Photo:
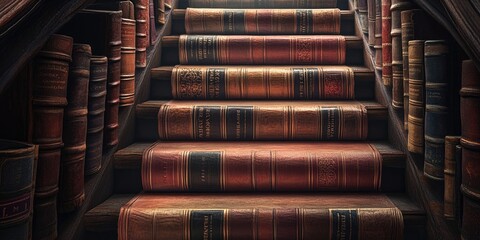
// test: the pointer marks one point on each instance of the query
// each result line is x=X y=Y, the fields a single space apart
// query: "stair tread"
x=104 y=217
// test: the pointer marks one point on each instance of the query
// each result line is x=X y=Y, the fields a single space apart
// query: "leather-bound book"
x=72 y=193
x=242 y=120
x=450 y=174
x=458 y=184
x=436 y=107
x=267 y=216
x=262 y=21
x=371 y=22
x=363 y=15
x=416 y=114
x=470 y=141
x=17 y=171
x=50 y=75
x=258 y=82
x=378 y=35
x=397 y=62
x=96 y=111
x=160 y=11
x=262 y=4
x=152 y=27
x=386 y=43
x=212 y=50
x=168 y=4
x=142 y=18
x=266 y=167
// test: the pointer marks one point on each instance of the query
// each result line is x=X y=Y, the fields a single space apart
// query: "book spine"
x=198 y=82
x=214 y=50
x=436 y=107
x=17 y=171
x=262 y=4
x=142 y=19
x=168 y=4
x=416 y=102
x=160 y=11
x=362 y=11
x=397 y=61
x=233 y=170
x=458 y=184
x=470 y=141
x=152 y=27
x=71 y=190
x=386 y=43
x=378 y=35
x=262 y=21
x=127 y=72
x=96 y=113
x=262 y=122
x=450 y=175
x=267 y=223
x=113 y=80
x=49 y=99
x=371 y=22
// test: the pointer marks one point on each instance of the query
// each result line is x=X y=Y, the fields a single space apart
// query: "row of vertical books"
x=415 y=58
x=76 y=86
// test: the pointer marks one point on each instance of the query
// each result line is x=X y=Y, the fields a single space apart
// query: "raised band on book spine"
x=160 y=11
x=251 y=82
x=450 y=175
x=262 y=21
x=49 y=99
x=72 y=193
x=362 y=9
x=371 y=21
x=17 y=171
x=470 y=141
x=386 y=43
x=142 y=19
x=416 y=114
x=436 y=110
x=378 y=35
x=96 y=113
x=128 y=48
x=211 y=50
x=262 y=121
x=262 y=4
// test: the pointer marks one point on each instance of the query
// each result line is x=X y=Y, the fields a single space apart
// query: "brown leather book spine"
x=212 y=50
x=49 y=99
x=371 y=22
x=152 y=28
x=262 y=4
x=378 y=35
x=168 y=4
x=142 y=19
x=261 y=121
x=127 y=72
x=386 y=43
x=272 y=82
x=362 y=10
x=230 y=168
x=416 y=114
x=262 y=21
x=17 y=171
x=450 y=175
x=470 y=141
x=160 y=11
x=96 y=113
x=397 y=62
x=71 y=190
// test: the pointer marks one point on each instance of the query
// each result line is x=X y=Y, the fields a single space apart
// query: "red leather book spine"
x=470 y=141
x=49 y=99
x=450 y=174
x=207 y=49
x=72 y=193
x=386 y=43
x=127 y=73
x=262 y=21
x=142 y=18
x=272 y=82
x=262 y=4
x=160 y=11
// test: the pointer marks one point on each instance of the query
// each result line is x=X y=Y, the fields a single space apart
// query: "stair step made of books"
x=102 y=221
x=128 y=161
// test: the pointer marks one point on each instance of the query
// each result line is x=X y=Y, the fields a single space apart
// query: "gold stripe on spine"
x=186 y=216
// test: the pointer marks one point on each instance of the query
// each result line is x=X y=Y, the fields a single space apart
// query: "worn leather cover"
x=371 y=5
x=262 y=21
x=378 y=36
x=362 y=9
x=416 y=103
x=262 y=82
x=450 y=202
x=262 y=3
x=386 y=43
x=160 y=11
x=142 y=18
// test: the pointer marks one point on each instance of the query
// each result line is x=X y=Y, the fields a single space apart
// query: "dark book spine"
x=371 y=21
x=470 y=141
x=113 y=80
x=211 y=50
x=436 y=107
x=49 y=99
x=127 y=72
x=261 y=122
x=450 y=175
x=71 y=190
x=386 y=43
x=262 y=21
x=160 y=11
x=142 y=19
x=96 y=110
x=458 y=184
x=362 y=11
x=152 y=27
x=416 y=114
x=17 y=171
x=210 y=82
x=262 y=4
x=378 y=35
